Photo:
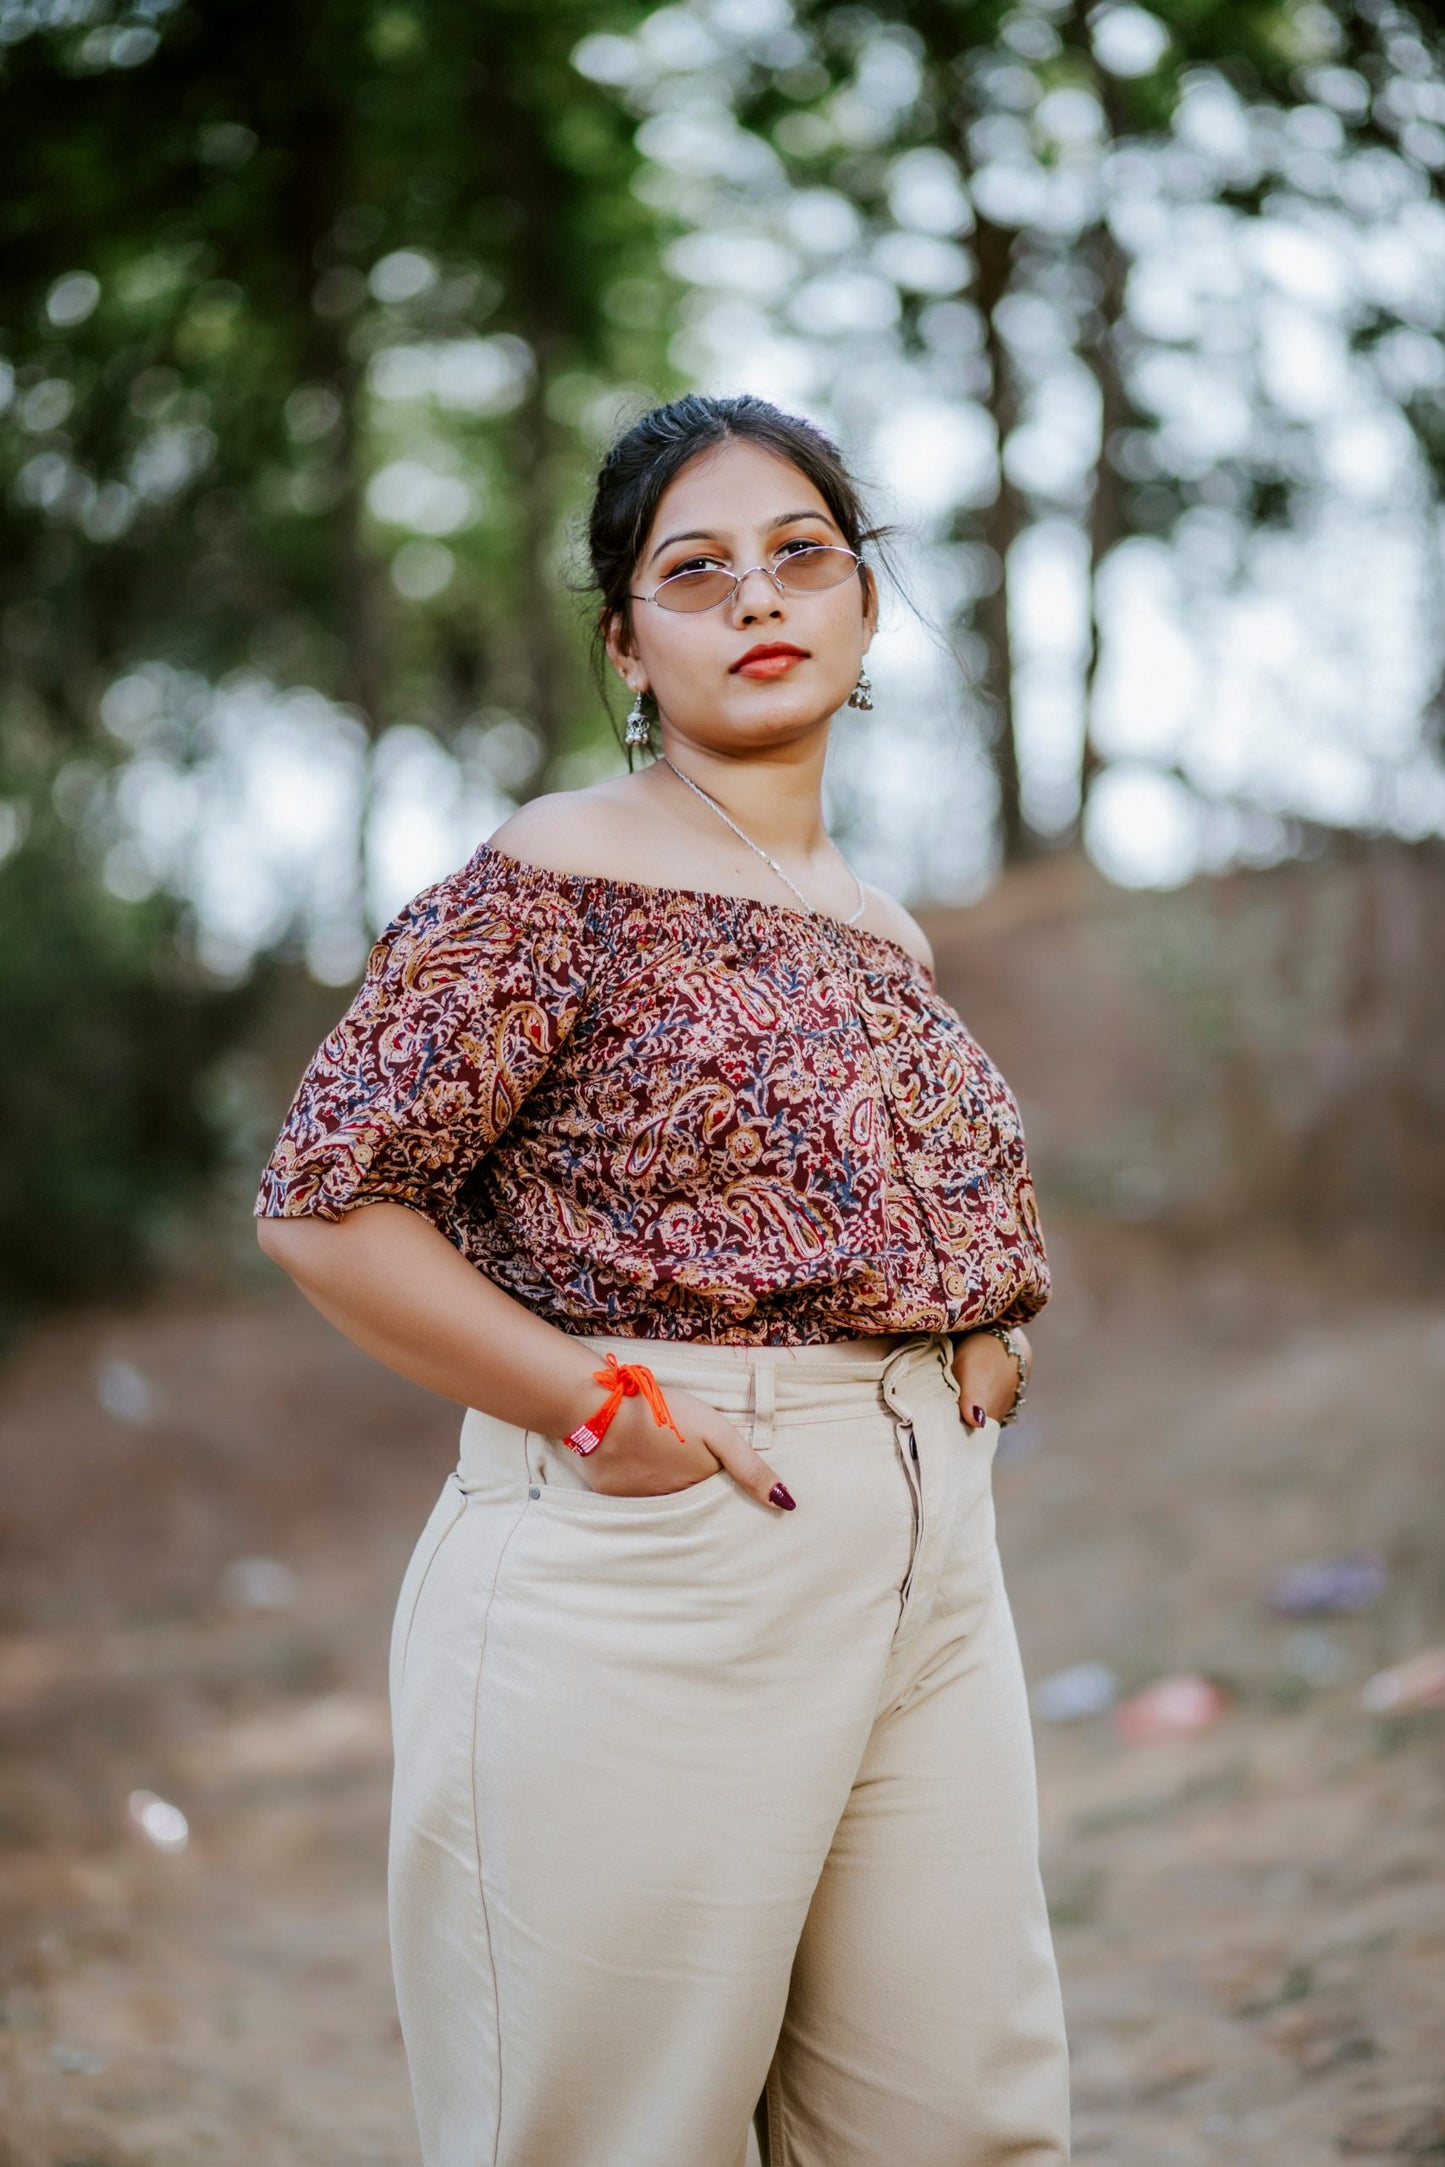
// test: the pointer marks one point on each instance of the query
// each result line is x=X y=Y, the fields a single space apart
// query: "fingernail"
x=779 y=1496
x=979 y=1417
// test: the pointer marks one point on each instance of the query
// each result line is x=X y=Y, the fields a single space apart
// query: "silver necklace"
x=812 y=910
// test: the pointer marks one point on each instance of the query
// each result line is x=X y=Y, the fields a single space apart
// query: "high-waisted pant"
x=715 y=1827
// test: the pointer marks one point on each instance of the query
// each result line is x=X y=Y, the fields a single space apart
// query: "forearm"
x=394 y=1284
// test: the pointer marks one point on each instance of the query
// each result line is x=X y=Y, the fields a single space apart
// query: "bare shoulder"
x=887 y=915
x=572 y=831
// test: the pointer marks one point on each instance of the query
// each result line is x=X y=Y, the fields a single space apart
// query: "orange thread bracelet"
x=628 y=1380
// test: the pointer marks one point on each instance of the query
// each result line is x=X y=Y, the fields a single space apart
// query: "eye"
x=695 y=564
x=798 y=542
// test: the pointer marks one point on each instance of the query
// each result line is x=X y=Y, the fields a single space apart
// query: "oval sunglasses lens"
x=814 y=568
x=694 y=590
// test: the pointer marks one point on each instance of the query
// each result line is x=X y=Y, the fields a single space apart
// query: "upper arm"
x=310 y=1242
x=467 y=997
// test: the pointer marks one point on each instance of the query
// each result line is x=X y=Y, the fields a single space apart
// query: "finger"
x=749 y=1469
x=970 y=1413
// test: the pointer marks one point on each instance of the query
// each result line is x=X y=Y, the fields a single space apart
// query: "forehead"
x=734 y=487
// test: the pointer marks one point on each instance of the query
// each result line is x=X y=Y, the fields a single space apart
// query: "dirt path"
x=1250 y=1923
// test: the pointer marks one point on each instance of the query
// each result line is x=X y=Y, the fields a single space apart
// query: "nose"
x=774 y=590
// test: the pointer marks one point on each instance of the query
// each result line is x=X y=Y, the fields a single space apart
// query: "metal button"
x=534 y=1491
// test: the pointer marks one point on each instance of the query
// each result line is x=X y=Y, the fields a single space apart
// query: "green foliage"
x=1336 y=110
x=222 y=220
x=109 y=1036
x=188 y=458
x=267 y=270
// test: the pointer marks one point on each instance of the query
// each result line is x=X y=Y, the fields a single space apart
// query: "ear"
x=622 y=655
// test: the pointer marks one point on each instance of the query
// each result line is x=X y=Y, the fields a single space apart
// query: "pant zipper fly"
x=913 y=1477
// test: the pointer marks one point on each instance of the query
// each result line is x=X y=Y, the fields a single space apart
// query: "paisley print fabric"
x=673 y=1114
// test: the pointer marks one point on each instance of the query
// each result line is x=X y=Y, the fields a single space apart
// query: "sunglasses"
x=800 y=571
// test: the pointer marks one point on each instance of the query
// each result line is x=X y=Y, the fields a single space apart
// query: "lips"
x=772 y=660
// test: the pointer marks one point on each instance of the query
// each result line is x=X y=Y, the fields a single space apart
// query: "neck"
x=777 y=798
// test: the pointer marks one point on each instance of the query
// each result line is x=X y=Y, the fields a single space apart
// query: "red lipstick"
x=772 y=658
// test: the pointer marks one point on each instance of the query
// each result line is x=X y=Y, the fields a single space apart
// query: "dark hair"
x=648 y=455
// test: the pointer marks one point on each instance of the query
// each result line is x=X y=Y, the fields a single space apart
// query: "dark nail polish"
x=979 y=1417
x=780 y=1496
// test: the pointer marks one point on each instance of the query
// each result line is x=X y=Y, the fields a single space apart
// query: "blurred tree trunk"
x=1099 y=342
x=1107 y=521
x=325 y=180
x=533 y=452
x=543 y=313
x=1000 y=526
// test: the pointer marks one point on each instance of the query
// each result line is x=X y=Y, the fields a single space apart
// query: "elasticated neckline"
x=715 y=905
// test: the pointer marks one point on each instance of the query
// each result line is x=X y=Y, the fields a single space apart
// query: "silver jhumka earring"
x=862 y=693
x=638 y=727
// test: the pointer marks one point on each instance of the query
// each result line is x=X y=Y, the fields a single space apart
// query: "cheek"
x=841 y=629
x=681 y=651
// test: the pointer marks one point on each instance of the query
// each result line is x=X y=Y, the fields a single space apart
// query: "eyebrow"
x=706 y=534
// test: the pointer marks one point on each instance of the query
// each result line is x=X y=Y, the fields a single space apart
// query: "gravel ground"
x=1250 y=1921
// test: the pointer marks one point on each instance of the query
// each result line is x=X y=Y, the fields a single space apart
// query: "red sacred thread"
x=628 y=1380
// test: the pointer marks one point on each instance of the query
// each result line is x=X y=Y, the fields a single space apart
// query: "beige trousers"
x=716 y=1827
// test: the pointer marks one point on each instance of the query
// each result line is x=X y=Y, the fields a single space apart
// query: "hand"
x=988 y=1376
x=639 y=1458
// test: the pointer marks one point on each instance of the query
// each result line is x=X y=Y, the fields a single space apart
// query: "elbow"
x=304 y=1243
x=283 y=1241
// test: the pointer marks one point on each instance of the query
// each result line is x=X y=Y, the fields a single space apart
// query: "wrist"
x=1013 y=1339
x=618 y=1382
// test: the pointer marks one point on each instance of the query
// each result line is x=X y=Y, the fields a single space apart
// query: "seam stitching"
x=476 y=1817
x=421 y=1584
x=777 y=2143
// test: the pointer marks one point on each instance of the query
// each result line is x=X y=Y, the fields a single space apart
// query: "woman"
x=714 y=1783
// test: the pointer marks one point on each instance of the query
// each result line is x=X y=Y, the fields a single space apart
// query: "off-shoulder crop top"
x=671 y=1113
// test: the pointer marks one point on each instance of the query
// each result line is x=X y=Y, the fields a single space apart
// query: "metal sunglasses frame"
x=837 y=549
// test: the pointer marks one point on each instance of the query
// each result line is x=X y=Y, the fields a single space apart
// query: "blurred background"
x=314 y=323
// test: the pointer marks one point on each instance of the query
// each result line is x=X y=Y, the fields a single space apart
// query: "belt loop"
x=901 y=1357
x=763 y=1399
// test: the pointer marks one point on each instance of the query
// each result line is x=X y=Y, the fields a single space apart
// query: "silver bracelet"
x=1016 y=1348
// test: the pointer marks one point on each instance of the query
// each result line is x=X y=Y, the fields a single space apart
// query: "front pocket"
x=604 y=1504
x=441 y=1520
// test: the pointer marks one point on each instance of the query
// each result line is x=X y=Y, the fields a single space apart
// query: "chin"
x=791 y=709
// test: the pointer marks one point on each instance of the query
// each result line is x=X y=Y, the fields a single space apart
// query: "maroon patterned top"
x=669 y=1113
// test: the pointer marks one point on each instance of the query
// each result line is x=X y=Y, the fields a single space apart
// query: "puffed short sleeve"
x=469 y=994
